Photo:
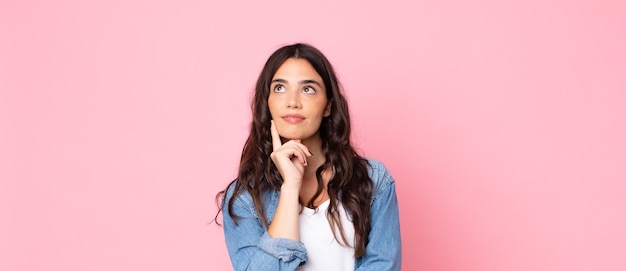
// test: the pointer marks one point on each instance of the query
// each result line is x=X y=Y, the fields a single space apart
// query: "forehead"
x=296 y=68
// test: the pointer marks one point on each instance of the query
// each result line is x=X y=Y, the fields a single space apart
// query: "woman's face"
x=297 y=100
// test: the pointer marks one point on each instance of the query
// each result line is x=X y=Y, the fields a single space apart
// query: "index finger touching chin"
x=276 y=143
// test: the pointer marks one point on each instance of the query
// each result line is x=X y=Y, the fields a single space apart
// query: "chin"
x=296 y=133
x=290 y=133
x=290 y=137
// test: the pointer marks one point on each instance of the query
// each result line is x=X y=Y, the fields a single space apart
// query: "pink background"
x=502 y=121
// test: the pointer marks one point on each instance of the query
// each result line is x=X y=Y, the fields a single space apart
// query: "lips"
x=293 y=118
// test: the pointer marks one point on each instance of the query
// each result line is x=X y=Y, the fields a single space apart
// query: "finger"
x=297 y=150
x=302 y=147
x=299 y=155
x=276 y=143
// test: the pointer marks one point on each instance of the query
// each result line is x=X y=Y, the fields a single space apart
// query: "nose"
x=293 y=100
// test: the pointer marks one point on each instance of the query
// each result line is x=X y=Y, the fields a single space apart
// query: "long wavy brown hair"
x=350 y=184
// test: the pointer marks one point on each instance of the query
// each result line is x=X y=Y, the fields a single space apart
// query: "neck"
x=314 y=144
x=309 y=185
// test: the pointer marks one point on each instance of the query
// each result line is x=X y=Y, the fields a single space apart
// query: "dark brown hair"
x=350 y=184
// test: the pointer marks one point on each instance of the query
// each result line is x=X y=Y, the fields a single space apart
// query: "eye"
x=308 y=90
x=279 y=88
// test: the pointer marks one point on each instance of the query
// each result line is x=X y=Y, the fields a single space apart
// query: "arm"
x=250 y=246
x=384 y=249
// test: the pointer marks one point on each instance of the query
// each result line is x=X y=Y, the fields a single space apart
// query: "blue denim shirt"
x=251 y=248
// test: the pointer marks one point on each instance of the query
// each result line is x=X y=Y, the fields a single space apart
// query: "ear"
x=327 y=110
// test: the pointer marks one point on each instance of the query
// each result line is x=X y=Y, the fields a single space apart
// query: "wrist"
x=288 y=187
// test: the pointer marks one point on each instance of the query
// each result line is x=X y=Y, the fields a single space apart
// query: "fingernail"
x=310 y=153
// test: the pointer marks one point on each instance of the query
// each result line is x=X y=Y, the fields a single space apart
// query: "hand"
x=289 y=158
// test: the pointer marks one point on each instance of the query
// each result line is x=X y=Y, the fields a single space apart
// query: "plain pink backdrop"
x=503 y=122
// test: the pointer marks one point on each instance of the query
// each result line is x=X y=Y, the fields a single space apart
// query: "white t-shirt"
x=323 y=251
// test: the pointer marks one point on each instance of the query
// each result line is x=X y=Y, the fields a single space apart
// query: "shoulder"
x=243 y=200
x=380 y=175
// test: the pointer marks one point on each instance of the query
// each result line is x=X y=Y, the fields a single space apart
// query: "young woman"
x=304 y=199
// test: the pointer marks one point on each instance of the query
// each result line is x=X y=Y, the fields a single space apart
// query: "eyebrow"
x=302 y=82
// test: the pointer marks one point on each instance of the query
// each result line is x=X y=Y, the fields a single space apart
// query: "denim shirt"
x=251 y=248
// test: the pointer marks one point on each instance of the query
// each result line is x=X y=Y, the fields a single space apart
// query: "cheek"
x=324 y=108
x=271 y=105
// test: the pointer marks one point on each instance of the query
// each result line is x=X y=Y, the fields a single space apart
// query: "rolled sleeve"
x=284 y=249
